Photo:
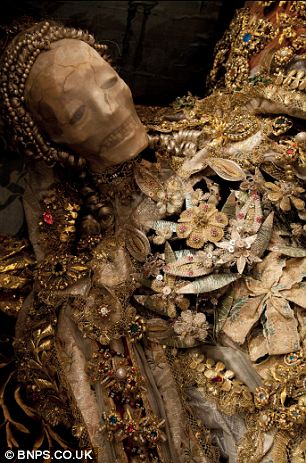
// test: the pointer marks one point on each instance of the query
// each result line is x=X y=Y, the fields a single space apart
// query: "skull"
x=81 y=102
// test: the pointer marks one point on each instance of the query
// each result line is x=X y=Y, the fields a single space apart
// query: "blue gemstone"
x=247 y=37
x=113 y=419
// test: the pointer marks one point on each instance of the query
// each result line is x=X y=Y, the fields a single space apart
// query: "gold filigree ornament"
x=252 y=30
x=136 y=328
x=201 y=224
x=285 y=195
x=16 y=272
x=128 y=419
x=145 y=431
x=40 y=373
x=215 y=382
x=246 y=36
x=114 y=175
x=280 y=410
x=58 y=272
x=281 y=400
x=29 y=430
x=58 y=219
x=191 y=326
x=167 y=195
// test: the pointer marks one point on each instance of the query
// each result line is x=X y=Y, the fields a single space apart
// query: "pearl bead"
x=166 y=290
x=301 y=136
x=121 y=373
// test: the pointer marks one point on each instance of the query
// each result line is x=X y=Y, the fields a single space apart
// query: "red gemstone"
x=35 y=396
x=217 y=379
x=130 y=428
x=290 y=151
x=48 y=218
x=241 y=215
x=258 y=219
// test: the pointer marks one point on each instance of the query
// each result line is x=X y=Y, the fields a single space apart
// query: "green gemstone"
x=134 y=328
x=279 y=121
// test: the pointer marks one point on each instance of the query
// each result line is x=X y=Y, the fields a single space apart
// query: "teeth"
x=289 y=77
x=279 y=79
x=300 y=74
x=303 y=84
x=295 y=83
x=295 y=79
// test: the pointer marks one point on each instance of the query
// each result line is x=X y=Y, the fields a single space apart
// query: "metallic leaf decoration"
x=290 y=251
x=137 y=243
x=147 y=182
x=162 y=224
x=188 y=266
x=185 y=252
x=209 y=283
x=226 y=169
x=153 y=302
x=263 y=236
x=44 y=384
x=222 y=312
x=27 y=410
x=229 y=207
x=169 y=253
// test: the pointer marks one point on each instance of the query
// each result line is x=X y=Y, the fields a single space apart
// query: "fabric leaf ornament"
x=226 y=169
x=209 y=283
x=268 y=298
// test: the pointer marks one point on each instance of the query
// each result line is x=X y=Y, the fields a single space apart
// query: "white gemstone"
x=104 y=311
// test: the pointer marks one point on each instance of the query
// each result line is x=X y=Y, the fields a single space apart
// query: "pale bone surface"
x=81 y=102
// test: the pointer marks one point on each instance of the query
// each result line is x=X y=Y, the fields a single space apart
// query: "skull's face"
x=81 y=102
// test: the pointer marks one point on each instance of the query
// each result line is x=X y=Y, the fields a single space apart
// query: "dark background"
x=162 y=49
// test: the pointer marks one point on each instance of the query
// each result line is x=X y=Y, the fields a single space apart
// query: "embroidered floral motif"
x=200 y=224
x=191 y=326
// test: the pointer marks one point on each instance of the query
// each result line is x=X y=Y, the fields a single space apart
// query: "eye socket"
x=47 y=113
x=108 y=83
x=77 y=115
